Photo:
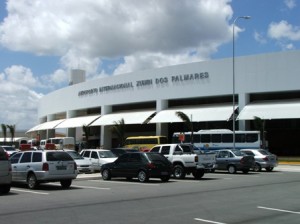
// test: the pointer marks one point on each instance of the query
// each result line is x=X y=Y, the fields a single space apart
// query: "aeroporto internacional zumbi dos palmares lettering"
x=146 y=82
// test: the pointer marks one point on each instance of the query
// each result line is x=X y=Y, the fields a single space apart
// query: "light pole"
x=233 y=79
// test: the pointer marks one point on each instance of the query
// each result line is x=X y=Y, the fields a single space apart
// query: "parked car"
x=10 y=150
x=35 y=167
x=84 y=165
x=5 y=172
x=143 y=165
x=98 y=157
x=263 y=159
x=121 y=151
x=234 y=160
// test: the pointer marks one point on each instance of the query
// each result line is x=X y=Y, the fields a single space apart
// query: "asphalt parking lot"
x=282 y=167
x=265 y=197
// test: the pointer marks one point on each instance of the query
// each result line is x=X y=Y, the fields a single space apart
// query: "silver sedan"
x=263 y=159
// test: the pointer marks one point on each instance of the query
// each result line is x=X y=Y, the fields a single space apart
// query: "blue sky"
x=41 y=41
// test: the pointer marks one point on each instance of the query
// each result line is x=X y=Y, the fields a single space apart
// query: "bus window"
x=163 y=140
x=144 y=143
x=196 y=138
x=251 y=137
x=216 y=138
x=187 y=138
x=227 y=138
x=240 y=137
x=205 y=138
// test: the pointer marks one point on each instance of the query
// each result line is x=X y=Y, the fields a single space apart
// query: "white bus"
x=215 y=139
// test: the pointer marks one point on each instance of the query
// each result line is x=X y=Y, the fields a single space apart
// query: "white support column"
x=71 y=132
x=161 y=128
x=244 y=99
x=51 y=132
x=105 y=134
x=43 y=133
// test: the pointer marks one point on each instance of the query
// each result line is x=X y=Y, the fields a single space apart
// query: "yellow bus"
x=144 y=143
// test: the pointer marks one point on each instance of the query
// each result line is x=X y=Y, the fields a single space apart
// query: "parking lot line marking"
x=98 y=188
x=123 y=182
x=209 y=221
x=279 y=210
x=32 y=192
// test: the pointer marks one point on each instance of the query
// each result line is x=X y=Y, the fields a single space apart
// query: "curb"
x=289 y=163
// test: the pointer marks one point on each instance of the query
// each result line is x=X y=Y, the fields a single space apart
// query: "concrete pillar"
x=71 y=132
x=161 y=128
x=105 y=133
x=43 y=133
x=50 y=132
x=244 y=99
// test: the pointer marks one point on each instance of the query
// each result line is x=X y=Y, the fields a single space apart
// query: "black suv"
x=142 y=165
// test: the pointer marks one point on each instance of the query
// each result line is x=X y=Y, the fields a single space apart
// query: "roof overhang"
x=288 y=109
x=46 y=125
x=77 y=121
x=136 y=117
x=221 y=112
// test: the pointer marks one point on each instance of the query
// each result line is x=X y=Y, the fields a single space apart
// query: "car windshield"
x=264 y=152
x=186 y=148
x=106 y=154
x=56 y=140
x=238 y=153
x=157 y=157
x=9 y=148
x=58 y=156
x=75 y=155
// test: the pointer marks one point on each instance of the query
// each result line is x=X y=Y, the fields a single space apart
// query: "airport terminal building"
x=264 y=86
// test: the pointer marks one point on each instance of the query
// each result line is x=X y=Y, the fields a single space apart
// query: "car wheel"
x=231 y=169
x=269 y=169
x=198 y=174
x=65 y=183
x=165 y=178
x=142 y=176
x=5 y=189
x=257 y=167
x=245 y=171
x=179 y=172
x=32 y=182
x=106 y=174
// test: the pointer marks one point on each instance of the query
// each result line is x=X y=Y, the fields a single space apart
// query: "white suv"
x=5 y=172
x=98 y=157
x=35 y=167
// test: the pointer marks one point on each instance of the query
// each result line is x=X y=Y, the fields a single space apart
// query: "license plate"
x=61 y=167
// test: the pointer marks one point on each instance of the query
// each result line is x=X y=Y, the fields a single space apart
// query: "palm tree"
x=119 y=130
x=12 y=130
x=187 y=122
x=86 y=129
x=260 y=125
x=4 y=130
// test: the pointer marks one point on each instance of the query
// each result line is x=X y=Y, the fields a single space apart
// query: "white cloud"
x=259 y=37
x=284 y=30
x=83 y=34
x=20 y=75
x=18 y=101
x=290 y=3
x=88 y=31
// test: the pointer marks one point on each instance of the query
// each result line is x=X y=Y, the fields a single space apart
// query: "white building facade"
x=266 y=86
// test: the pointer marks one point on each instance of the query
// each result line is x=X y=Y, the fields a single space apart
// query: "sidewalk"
x=288 y=160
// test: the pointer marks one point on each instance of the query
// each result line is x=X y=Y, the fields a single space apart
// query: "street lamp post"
x=233 y=78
